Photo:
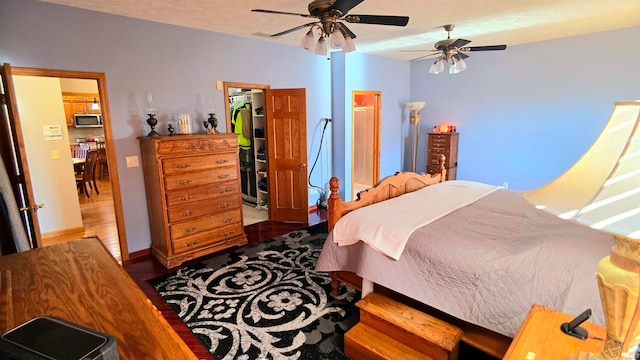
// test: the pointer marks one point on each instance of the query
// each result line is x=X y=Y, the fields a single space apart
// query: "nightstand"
x=540 y=334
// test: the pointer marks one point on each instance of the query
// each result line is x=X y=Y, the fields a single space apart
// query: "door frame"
x=377 y=111
x=108 y=138
x=235 y=85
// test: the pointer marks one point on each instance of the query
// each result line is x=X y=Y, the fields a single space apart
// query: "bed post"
x=334 y=204
x=443 y=171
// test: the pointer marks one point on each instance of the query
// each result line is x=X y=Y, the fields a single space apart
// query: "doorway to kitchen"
x=42 y=127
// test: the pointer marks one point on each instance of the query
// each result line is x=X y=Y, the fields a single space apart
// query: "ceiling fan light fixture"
x=453 y=69
x=437 y=67
x=349 y=45
x=307 y=41
x=321 y=47
x=336 y=39
x=461 y=65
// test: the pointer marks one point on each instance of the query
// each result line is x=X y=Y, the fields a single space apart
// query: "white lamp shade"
x=321 y=47
x=349 y=45
x=602 y=189
x=336 y=39
x=307 y=41
x=415 y=106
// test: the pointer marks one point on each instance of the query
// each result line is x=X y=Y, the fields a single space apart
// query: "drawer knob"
x=183 y=166
x=190 y=229
x=226 y=233
x=184 y=182
x=223 y=176
x=190 y=243
x=186 y=197
x=188 y=213
x=222 y=191
x=225 y=205
x=222 y=161
x=226 y=220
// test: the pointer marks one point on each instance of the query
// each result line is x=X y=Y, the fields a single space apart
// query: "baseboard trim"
x=139 y=253
x=77 y=230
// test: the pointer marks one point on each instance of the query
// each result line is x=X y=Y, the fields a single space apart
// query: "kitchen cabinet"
x=78 y=103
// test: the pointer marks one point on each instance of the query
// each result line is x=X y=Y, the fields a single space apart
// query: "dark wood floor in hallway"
x=146 y=267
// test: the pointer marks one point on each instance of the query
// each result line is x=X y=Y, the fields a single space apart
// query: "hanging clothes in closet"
x=241 y=124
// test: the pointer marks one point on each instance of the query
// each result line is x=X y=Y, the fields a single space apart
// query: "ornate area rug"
x=264 y=301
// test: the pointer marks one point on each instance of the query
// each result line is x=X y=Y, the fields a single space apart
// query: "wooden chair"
x=88 y=174
x=103 y=166
x=79 y=152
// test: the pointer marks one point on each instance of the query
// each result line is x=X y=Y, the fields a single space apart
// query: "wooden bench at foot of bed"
x=391 y=330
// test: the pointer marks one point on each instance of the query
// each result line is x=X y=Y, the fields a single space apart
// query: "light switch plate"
x=219 y=84
x=55 y=154
x=132 y=161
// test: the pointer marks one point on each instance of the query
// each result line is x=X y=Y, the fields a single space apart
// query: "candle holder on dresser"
x=152 y=121
x=171 y=129
x=213 y=122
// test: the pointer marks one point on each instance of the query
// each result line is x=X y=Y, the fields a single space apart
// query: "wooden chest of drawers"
x=193 y=195
x=446 y=144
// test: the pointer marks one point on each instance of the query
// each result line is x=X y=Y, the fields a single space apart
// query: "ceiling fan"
x=332 y=15
x=453 y=51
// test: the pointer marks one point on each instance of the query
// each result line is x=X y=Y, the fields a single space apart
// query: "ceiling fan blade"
x=281 y=12
x=432 y=55
x=378 y=19
x=344 y=5
x=459 y=43
x=487 y=48
x=294 y=29
x=463 y=56
x=347 y=30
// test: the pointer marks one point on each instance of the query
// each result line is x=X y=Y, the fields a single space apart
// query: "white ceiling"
x=484 y=22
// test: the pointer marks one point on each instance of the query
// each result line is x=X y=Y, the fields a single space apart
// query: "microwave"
x=87 y=120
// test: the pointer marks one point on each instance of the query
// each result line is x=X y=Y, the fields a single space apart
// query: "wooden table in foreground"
x=81 y=282
x=540 y=334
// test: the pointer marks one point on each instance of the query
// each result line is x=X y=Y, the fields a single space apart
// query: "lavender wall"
x=356 y=71
x=179 y=65
x=528 y=113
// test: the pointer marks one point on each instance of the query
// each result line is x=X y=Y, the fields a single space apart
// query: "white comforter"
x=386 y=227
x=488 y=262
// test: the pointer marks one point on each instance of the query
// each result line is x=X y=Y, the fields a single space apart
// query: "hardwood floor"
x=98 y=218
x=146 y=267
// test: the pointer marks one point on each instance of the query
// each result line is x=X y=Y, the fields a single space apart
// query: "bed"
x=484 y=264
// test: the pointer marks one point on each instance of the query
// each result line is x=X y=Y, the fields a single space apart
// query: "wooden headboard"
x=387 y=188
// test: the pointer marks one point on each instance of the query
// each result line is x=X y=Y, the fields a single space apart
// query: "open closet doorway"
x=41 y=122
x=365 y=161
x=245 y=116
x=278 y=144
